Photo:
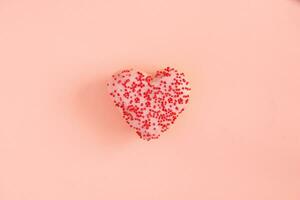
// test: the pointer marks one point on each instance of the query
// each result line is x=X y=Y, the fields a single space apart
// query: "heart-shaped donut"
x=150 y=104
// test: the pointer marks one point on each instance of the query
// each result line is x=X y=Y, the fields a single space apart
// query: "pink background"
x=61 y=138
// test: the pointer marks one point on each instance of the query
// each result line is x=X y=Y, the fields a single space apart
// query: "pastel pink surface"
x=61 y=137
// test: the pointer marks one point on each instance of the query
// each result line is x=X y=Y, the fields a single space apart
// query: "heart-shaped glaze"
x=150 y=104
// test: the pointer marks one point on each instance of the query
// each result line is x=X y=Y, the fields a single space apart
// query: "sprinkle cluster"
x=150 y=104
